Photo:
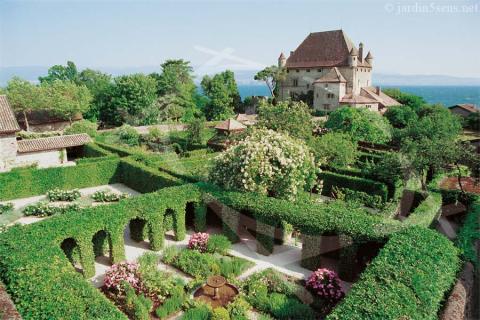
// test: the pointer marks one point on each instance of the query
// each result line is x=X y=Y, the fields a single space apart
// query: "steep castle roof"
x=8 y=123
x=333 y=75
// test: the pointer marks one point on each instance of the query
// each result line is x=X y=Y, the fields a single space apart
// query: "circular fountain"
x=216 y=291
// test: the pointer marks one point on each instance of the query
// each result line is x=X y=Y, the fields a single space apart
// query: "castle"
x=328 y=68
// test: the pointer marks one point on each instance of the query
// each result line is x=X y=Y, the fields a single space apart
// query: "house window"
x=297 y=70
x=295 y=82
x=330 y=95
x=308 y=70
x=326 y=107
x=308 y=86
x=319 y=70
x=368 y=106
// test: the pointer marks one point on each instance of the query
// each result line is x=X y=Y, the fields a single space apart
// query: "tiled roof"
x=332 y=76
x=323 y=49
x=53 y=143
x=8 y=123
x=230 y=125
x=466 y=106
x=378 y=95
x=350 y=98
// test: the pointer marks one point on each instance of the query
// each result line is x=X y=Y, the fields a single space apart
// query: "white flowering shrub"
x=267 y=162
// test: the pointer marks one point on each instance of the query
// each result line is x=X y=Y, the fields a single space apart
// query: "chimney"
x=360 y=52
x=377 y=90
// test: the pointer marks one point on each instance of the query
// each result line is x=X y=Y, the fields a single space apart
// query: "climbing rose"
x=326 y=284
x=198 y=241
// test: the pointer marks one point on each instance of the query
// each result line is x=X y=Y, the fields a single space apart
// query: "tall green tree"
x=171 y=107
x=407 y=99
x=272 y=76
x=132 y=101
x=67 y=99
x=223 y=96
x=289 y=117
x=400 y=116
x=24 y=97
x=176 y=78
x=361 y=124
x=63 y=73
x=100 y=86
x=335 y=149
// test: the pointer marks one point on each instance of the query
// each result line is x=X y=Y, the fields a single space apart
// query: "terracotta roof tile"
x=350 y=98
x=322 y=49
x=53 y=143
x=466 y=106
x=332 y=76
x=8 y=123
x=382 y=98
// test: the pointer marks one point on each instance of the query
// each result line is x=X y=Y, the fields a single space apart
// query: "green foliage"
x=128 y=135
x=24 y=97
x=220 y=314
x=272 y=76
x=268 y=163
x=335 y=149
x=331 y=180
x=473 y=121
x=13 y=184
x=426 y=212
x=170 y=306
x=195 y=131
x=407 y=99
x=223 y=96
x=100 y=85
x=82 y=126
x=361 y=124
x=363 y=198
x=6 y=207
x=400 y=116
x=44 y=209
x=413 y=289
x=62 y=73
x=238 y=308
x=469 y=233
x=155 y=281
x=138 y=307
x=63 y=195
x=201 y=312
x=108 y=196
x=218 y=243
x=292 y=118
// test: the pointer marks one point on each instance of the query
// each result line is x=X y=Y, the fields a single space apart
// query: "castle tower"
x=369 y=58
x=282 y=60
x=352 y=58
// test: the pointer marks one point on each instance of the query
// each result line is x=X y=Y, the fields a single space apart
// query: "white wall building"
x=329 y=67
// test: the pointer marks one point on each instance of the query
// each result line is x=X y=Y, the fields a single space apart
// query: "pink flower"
x=326 y=284
x=198 y=241
x=123 y=271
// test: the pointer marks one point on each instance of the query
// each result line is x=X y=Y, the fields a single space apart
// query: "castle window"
x=319 y=70
x=368 y=106
x=308 y=70
x=326 y=107
x=297 y=70
x=330 y=95
x=295 y=82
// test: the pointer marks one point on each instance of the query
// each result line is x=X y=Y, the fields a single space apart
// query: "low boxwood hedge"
x=470 y=232
x=407 y=280
x=331 y=180
x=426 y=212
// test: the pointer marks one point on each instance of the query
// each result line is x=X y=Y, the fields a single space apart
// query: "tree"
x=170 y=107
x=82 y=126
x=66 y=99
x=272 y=76
x=413 y=101
x=463 y=153
x=195 y=131
x=473 y=121
x=24 y=97
x=176 y=78
x=266 y=162
x=132 y=101
x=292 y=118
x=400 y=116
x=100 y=85
x=222 y=93
x=335 y=149
x=361 y=124
x=63 y=73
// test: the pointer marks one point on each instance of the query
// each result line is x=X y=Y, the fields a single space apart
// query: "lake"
x=446 y=95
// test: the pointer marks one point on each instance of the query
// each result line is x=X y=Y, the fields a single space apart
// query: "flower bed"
x=108 y=196
x=45 y=209
x=63 y=195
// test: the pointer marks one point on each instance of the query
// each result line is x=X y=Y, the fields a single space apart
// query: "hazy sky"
x=404 y=36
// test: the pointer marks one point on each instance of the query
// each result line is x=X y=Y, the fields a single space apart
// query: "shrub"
x=335 y=149
x=266 y=162
x=123 y=271
x=198 y=241
x=169 y=254
x=283 y=307
x=63 y=195
x=82 y=126
x=326 y=284
x=470 y=232
x=195 y=263
x=218 y=244
x=154 y=281
x=128 y=135
x=138 y=307
x=201 y=312
x=238 y=308
x=6 y=207
x=108 y=196
x=45 y=209
x=170 y=306
x=372 y=201
x=220 y=314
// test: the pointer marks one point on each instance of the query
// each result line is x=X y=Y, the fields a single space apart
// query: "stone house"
x=329 y=68
x=464 y=110
x=43 y=152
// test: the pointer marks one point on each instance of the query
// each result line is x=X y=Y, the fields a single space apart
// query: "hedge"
x=121 y=151
x=470 y=232
x=407 y=280
x=369 y=186
x=426 y=212
x=39 y=276
x=32 y=182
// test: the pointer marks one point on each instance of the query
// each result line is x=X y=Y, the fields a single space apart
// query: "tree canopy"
x=272 y=76
x=335 y=149
x=222 y=93
x=361 y=124
x=63 y=73
x=407 y=99
x=292 y=118
x=400 y=116
x=24 y=97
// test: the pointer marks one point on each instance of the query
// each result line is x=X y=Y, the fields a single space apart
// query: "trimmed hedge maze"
x=44 y=285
